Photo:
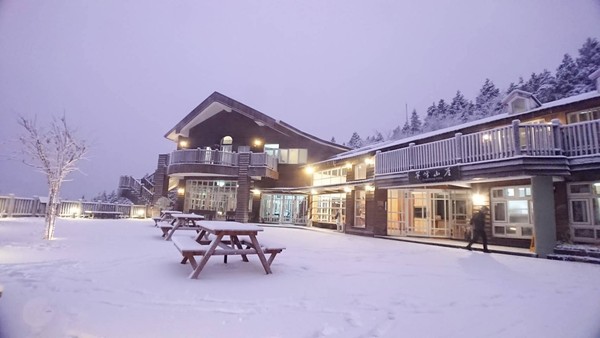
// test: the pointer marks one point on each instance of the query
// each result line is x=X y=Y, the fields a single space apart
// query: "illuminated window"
x=512 y=212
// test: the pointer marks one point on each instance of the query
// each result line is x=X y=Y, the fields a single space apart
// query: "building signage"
x=434 y=175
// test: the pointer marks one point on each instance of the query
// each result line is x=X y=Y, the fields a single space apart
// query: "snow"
x=118 y=278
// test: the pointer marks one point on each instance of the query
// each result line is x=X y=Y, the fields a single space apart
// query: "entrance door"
x=461 y=204
x=396 y=212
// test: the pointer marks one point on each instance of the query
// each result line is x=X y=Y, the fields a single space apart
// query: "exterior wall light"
x=313 y=191
x=368 y=161
x=257 y=142
x=479 y=199
x=183 y=144
x=347 y=189
x=348 y=165
x=180 y=191
x=309 y=170
x=256 y=192
x=369 y=188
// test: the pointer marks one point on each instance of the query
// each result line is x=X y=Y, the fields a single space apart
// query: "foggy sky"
x=125 y=72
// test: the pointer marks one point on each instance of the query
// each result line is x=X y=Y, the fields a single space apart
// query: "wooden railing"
x=134 y=185
x=263 y=160
x=580 y=139
x=203 y=156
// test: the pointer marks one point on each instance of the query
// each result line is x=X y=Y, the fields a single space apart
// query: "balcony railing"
x=203 y=156
x=217 y=157
x=581 y=139
x=263 y=160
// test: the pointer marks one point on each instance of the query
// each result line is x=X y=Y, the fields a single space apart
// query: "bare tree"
x=54 y=152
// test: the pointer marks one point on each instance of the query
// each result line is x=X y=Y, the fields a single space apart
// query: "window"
x=583 y=116
x=325 y=207
x=359 y=208
x=360 y=171
x=584 y=211
x=330 y=176
x=227 y=144
x=219 y=196
x=512 y=212
x=293 y=156
x=272 y=149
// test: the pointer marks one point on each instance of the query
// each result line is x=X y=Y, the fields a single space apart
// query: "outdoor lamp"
x=183 y=144
x=309 y=170
x=180 y=191
x=478 y=199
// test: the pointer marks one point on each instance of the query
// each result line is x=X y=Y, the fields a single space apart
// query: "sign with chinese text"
x=434 y=175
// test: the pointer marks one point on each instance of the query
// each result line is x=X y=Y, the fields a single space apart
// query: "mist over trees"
x=570 y=78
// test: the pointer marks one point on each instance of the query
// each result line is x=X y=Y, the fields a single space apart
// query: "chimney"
x=595 y=76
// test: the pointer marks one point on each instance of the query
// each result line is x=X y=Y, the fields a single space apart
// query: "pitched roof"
x=217 y=102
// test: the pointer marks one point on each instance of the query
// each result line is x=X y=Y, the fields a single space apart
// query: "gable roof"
x=217 y=102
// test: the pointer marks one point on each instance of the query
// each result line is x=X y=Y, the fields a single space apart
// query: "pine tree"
x=405 y=130
x=431 y=119
x=333 y=140
x=378 y=137
x=416 y=127
x=355 y=141
x=487 y=103
x=546 y=90
x=566 y=77
x=587 y=63
x=460 y=109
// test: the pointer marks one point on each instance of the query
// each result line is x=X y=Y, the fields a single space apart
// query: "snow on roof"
x=392 y=143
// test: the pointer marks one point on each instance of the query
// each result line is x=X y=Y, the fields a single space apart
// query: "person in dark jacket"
x=478 y=224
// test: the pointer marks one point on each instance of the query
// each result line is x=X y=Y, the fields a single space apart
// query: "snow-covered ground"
x=118 y=278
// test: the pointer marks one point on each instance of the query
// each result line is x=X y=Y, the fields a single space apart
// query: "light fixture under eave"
x=255 y=192
x=368 y=161
x=348 y=165
x=313 y=191
x=183 y=144
x=478 y=199
x=257 y=142
x=309 y=170
x=180 y=191
x=347 y=189
x=369 y=188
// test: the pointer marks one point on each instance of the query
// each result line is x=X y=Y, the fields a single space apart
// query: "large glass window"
x=219 y=196
x=329 y=176
x=325 y=208
x=512 y=212
x=283 y=208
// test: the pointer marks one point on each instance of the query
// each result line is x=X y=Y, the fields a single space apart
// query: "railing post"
x=11 y=205
x=517 y=136
x=411 y=155
x=557 y=135
x=458 y=147
x=378 y=159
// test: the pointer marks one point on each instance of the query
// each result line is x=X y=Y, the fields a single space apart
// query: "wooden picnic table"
x=166 y=216
x=211 y=240
x=181 y=221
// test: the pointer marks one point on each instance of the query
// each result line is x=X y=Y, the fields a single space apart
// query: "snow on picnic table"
x=118 y=278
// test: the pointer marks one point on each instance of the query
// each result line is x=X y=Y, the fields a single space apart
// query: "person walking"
x=478 y=224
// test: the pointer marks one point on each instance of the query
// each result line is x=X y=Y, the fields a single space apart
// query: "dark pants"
x=476 y=234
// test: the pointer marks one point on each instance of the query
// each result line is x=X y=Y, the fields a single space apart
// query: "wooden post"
x=411 y=155
x=458 y=147
x=517 y=137
x=557 y=135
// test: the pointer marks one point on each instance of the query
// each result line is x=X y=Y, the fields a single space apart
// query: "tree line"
x=570 y=78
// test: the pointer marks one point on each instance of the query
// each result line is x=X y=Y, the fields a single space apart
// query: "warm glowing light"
x=75 y=211
x=309 y=170
x=180 y=191
x=347 y=189
x=369 y=188
x=257 y=142
x=478 y=199
x=486 y=137
x=256 y=192
x=348 y=165
x=141 y=212
x=183 y=143
x=313 y=191
x=368 y=161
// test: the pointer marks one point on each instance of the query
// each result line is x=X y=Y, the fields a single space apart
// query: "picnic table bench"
x=210 y=241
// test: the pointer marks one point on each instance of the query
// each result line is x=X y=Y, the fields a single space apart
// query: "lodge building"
x=536 y=166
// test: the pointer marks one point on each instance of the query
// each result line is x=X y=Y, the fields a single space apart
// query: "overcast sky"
x=125 y=72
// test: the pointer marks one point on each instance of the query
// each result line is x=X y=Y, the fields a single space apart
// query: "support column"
x=243 y=190
x=544 y=221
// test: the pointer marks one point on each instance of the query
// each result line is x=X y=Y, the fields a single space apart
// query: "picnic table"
x=165 y=216
x=180 y=221
x=211 y=240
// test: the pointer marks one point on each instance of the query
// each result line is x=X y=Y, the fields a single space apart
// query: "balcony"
x=206 y=162
x=517 y=149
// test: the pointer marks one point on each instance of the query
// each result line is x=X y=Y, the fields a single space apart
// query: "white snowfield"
x=119 y=278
